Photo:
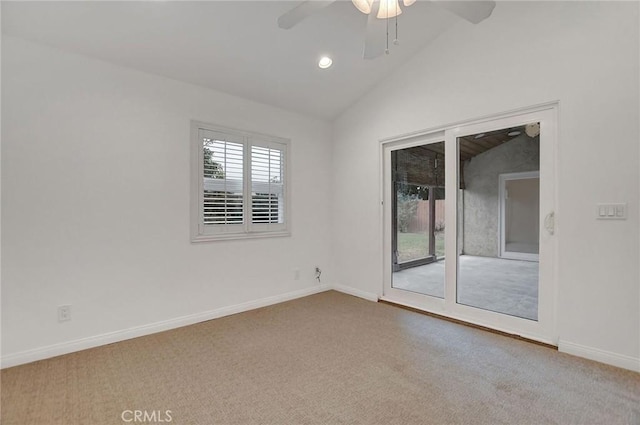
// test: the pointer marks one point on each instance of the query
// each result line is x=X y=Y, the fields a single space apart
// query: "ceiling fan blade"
x=374 y=42
x=474 y=11
x=301 y=11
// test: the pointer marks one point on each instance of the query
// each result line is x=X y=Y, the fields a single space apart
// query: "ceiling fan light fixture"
x=388 y=9
x=363 y=6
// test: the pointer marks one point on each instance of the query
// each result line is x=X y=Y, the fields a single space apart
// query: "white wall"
x=95 y=208
x=584 y=54
x=0 y=182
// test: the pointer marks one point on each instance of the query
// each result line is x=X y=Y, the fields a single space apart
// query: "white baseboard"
x=614 y=359
x=602 y=356
x=111 y=337
x=356 y=292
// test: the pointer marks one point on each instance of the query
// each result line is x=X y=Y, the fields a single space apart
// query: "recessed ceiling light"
x=513 y=133
x=479 y=136
x=325 y=62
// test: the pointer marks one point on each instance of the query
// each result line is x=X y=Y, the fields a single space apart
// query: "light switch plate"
x=611 y=211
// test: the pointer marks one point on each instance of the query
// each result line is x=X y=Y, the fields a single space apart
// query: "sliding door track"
x=462 y=322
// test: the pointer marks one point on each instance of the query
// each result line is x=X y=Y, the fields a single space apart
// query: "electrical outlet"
x=296 y=274
x=64 y=313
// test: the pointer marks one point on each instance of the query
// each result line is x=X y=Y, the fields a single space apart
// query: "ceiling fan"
x=379 y=11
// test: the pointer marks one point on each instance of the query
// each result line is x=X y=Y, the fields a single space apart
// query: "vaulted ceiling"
x=233 y=46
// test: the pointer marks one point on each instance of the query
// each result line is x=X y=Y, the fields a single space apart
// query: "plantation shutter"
x=239 y=183
x=222 y=181
x=267 y=185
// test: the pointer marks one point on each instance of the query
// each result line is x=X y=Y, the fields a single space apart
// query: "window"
x=239 y=184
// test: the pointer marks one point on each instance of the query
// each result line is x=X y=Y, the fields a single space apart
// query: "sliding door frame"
x=543 y=330
x=400 y=296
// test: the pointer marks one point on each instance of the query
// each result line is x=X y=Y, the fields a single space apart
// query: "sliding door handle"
x=550 y=223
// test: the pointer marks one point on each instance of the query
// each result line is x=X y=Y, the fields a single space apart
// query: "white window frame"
x=247 y=230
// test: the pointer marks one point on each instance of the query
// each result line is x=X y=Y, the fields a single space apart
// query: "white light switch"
x=602 y=211
x=611 y=212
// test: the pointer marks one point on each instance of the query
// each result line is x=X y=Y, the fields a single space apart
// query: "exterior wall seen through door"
x=481 y=194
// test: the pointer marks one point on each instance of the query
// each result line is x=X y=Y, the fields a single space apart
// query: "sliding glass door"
x=498 y=208
x=481 y=196
x=418 y=218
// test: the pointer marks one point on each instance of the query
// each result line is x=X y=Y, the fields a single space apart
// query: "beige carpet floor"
x=325 y=359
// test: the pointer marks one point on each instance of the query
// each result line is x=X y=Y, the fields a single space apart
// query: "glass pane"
x=412 y=221
x=418 y=219
x=498 y=214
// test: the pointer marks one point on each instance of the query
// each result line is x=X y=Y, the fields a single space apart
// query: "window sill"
x=235 y=236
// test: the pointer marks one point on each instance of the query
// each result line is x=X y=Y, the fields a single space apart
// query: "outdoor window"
x=239 y=184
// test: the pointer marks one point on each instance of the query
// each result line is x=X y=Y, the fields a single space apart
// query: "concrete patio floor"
x=496 y=284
